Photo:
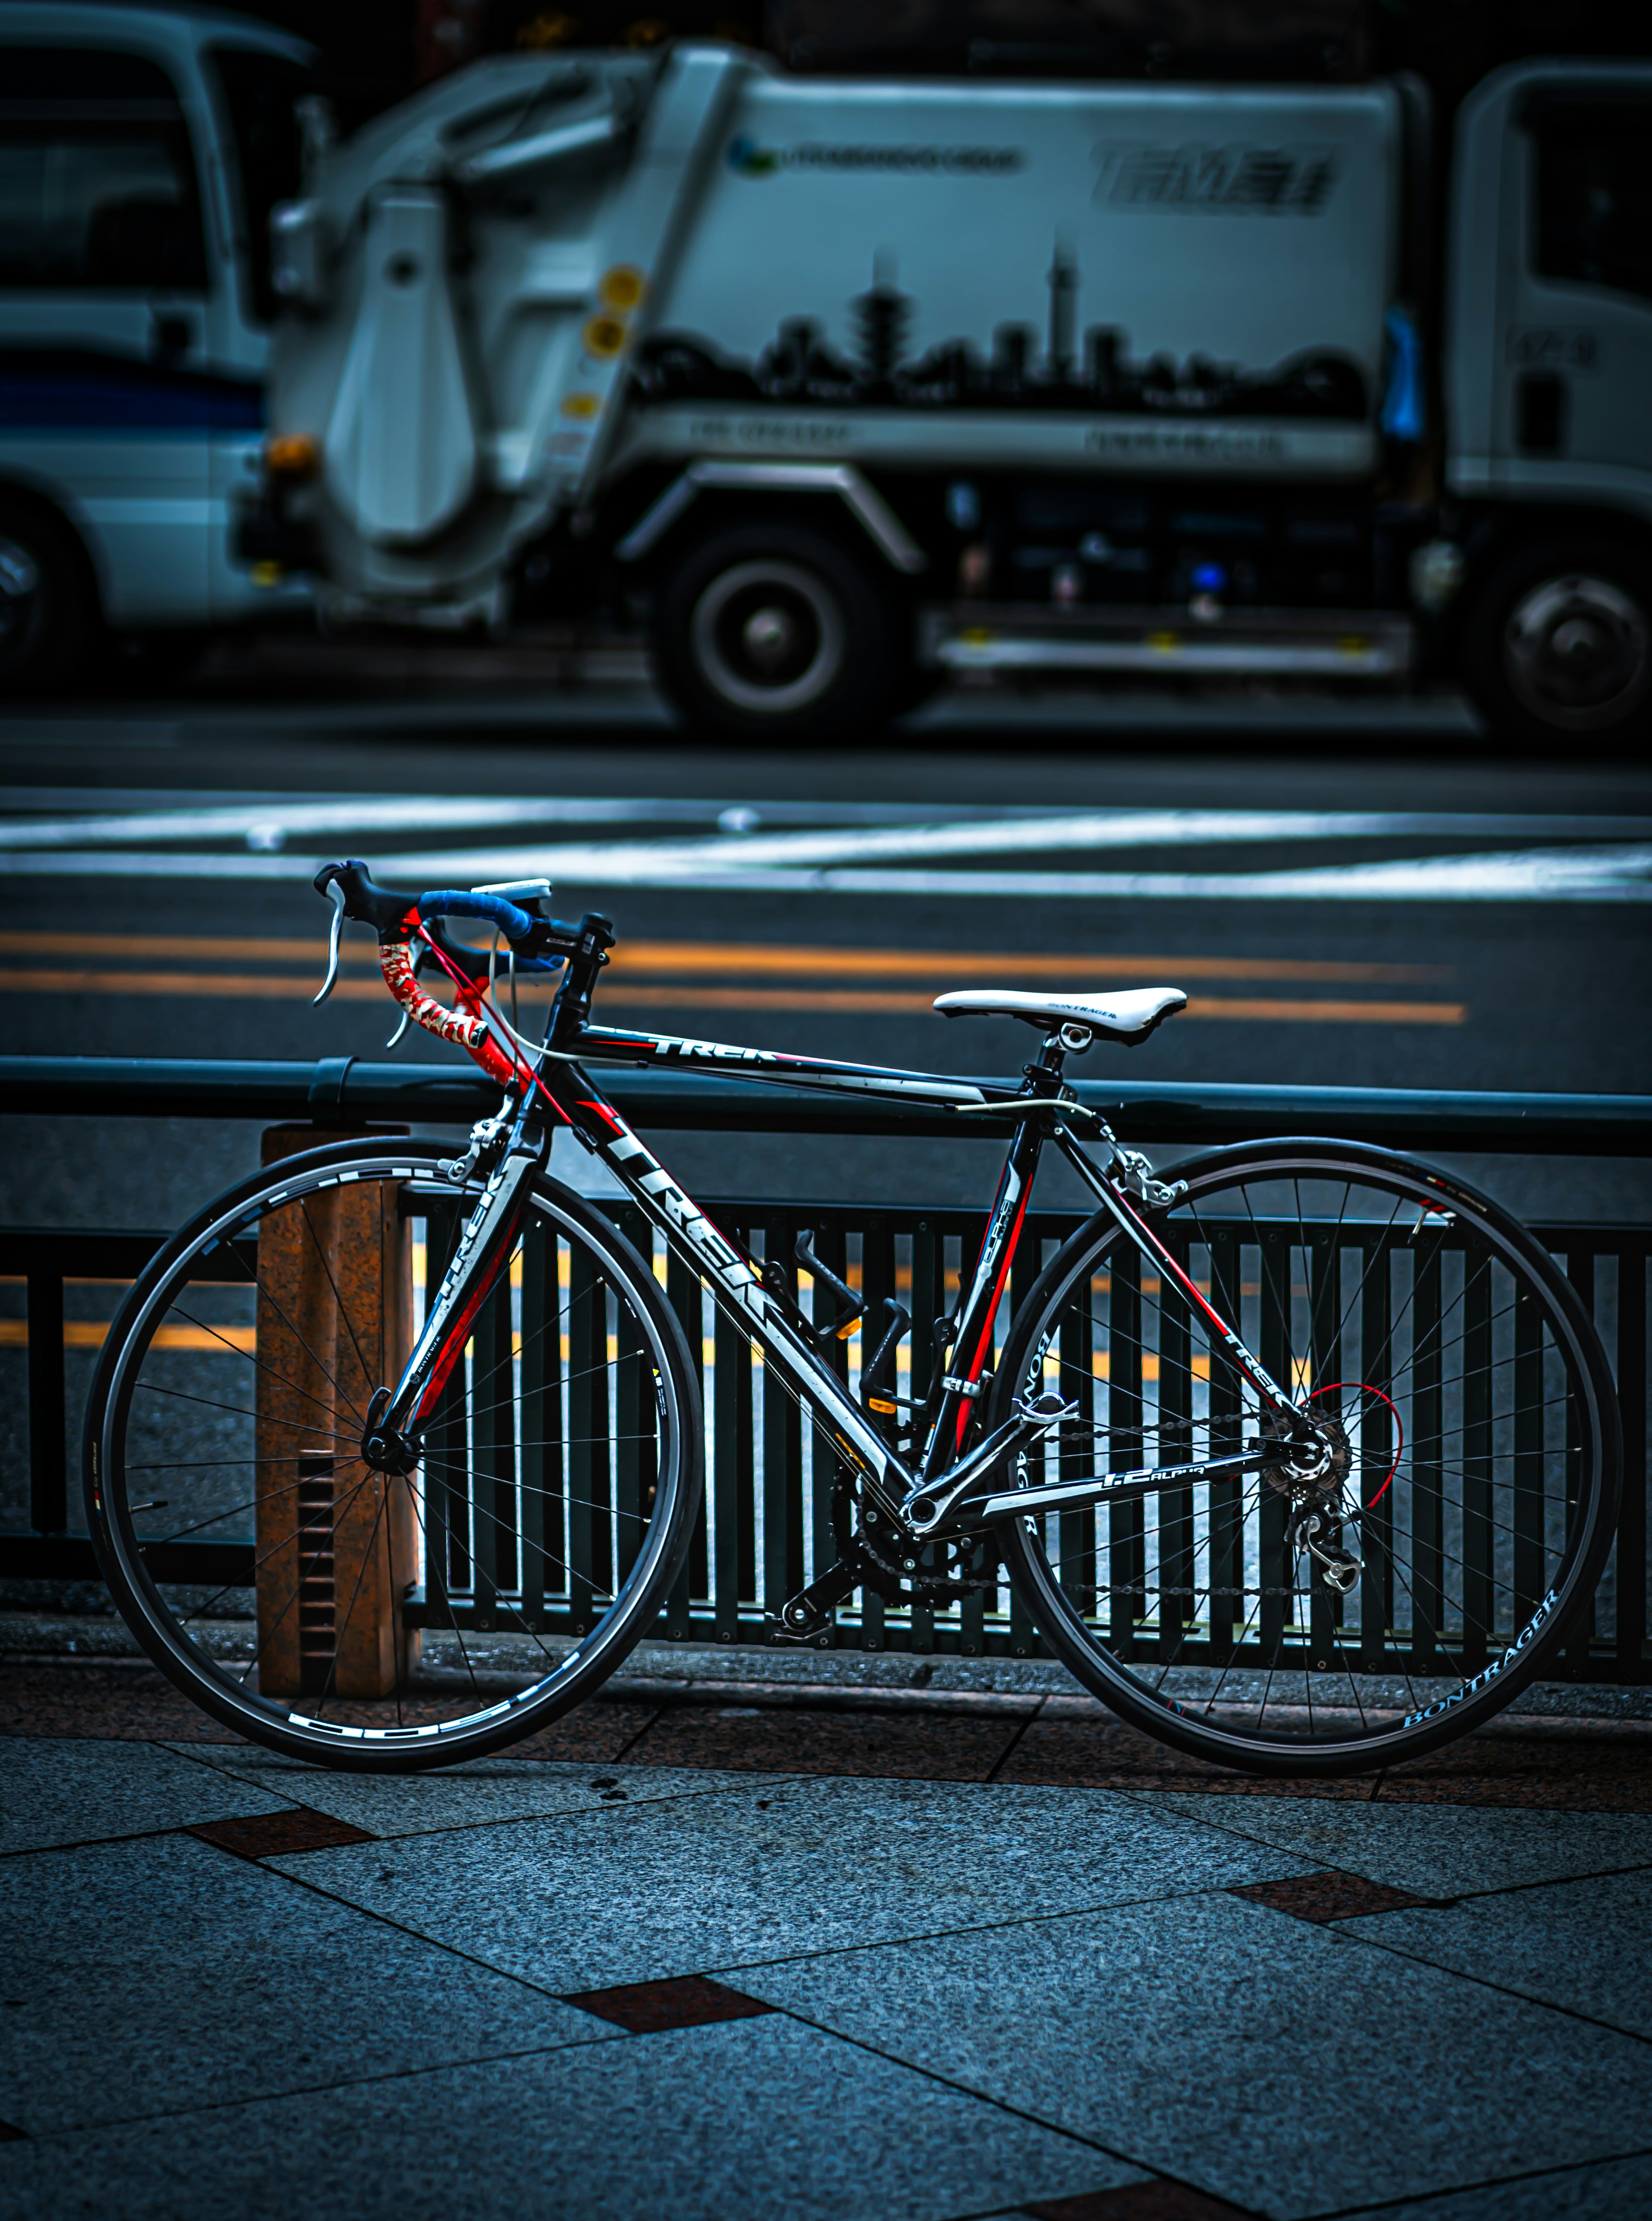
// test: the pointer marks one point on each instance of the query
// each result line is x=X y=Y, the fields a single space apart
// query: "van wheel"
x=44 y=608
x=776 y=632
x=1559 y=641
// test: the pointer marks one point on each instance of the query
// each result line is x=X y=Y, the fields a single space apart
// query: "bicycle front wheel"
x=1470 y=1411
x=357 y=1618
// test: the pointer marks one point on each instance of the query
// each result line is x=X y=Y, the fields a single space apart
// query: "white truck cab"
x=142 y=151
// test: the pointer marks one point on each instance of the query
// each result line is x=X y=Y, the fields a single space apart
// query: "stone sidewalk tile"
x=159 y=1974
x=892 y=1745
x=115 y=1698
x=706 y=1884
x=1612 y=2190
x=65 y=1790
x=751 y=2120
x=1431 y=1850
x=481 y=1792
x=1553 y=1766
x=1583 y=1945
x=1283 y=2066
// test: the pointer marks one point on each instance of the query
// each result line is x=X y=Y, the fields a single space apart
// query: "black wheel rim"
x=1478 y=1453
x=388 y=1621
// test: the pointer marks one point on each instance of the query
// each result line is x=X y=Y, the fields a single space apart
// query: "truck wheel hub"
x=1576 y=648
x=768 y=636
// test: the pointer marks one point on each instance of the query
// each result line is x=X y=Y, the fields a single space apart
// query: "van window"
x=260 y=96
x=98 y=184
x=1594 y=193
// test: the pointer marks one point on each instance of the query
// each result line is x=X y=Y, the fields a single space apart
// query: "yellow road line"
x=717 y=959
x=89 y=1334
x=269 y=987
x=893 y=1002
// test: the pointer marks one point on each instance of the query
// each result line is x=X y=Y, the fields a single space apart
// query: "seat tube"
x=974 y=1346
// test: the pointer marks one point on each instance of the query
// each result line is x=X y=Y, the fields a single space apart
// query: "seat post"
x=1044 y=1076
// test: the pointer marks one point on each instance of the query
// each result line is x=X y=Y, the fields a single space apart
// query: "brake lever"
x=337 y=894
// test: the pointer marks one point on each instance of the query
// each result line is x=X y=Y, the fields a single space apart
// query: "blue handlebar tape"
x=514 y=923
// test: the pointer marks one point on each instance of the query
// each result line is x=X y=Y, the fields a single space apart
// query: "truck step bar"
x=1347 y=644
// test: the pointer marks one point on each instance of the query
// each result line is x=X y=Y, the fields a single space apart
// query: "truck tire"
x=1558 y=642
x=777 y=632
x=45 y=613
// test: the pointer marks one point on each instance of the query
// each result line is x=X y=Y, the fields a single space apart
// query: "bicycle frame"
x=947 y=1492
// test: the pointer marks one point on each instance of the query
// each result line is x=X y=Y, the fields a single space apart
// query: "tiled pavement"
x=732 y=1961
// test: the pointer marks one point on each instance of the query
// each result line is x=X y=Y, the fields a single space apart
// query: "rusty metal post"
x=336 y=1544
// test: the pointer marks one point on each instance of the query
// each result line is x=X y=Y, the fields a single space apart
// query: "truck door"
x=1576 y=365
x=103 y=305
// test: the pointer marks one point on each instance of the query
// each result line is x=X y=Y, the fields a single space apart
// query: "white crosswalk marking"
x=818 y=848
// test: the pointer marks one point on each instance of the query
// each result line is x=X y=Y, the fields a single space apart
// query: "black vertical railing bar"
x=1126 y=1522
x=1228 y=1603
x=541 y=1449
x=1025 y=1641
x=1529 y=1505
x=1178 y=1543
x=634 y=1444
x=1632 y=1659
x=48 y=1428
x=493 y=1453
x=1321 y=1266
x=1479 y=1592
x=731 y=1466
x=587 y=1424
x=926 y=1300
x=831 y=1231
x=1380 y=1638
x=1275 y=1613
x=782 y=1423
x=1427 y=1461
x=684 y=1294
x=1075 y=1353
x=1580 y=1272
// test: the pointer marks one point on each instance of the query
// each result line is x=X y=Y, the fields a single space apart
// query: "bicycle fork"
x=390 y=1437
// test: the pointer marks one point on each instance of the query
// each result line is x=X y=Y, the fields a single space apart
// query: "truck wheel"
x=771 y=632
x=45 y=613
x=1559 y=640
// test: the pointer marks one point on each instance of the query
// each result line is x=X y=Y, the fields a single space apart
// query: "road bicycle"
x=1301 y=1457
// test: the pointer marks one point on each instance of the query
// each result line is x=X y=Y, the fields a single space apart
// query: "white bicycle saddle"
x=1129 y=1017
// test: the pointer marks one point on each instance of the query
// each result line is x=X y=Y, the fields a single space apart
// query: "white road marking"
x=1620 y=873
x=836 y=836
x=910 y=852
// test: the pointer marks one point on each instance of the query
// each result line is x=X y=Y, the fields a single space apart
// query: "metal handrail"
x=346 y=1090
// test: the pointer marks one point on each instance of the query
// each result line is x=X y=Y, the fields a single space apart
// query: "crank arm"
x=1117 y=1488
x=806 y=1615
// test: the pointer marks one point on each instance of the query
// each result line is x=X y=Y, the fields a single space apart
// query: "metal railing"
x=767 y=1523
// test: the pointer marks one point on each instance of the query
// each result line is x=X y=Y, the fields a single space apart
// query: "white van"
x=141 y=152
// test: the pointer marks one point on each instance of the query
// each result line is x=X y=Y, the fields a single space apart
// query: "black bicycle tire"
x=1163 y=1719
x=596 y=1657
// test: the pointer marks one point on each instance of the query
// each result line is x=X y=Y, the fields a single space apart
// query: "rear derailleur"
x=1311 y=1474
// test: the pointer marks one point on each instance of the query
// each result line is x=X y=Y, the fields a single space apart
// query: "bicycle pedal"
x=803 y=1617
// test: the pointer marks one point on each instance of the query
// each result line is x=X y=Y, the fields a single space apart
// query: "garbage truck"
x=840 y=386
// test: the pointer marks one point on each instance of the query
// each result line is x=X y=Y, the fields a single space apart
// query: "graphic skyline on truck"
x=799 y=366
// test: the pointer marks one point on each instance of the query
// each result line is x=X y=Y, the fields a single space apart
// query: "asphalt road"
x=1351 y=892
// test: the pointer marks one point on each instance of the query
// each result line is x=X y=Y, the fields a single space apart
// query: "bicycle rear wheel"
x=350 y=1617
x=1477 y=1453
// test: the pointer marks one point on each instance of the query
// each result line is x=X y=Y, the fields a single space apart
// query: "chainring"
x=945 y=1572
